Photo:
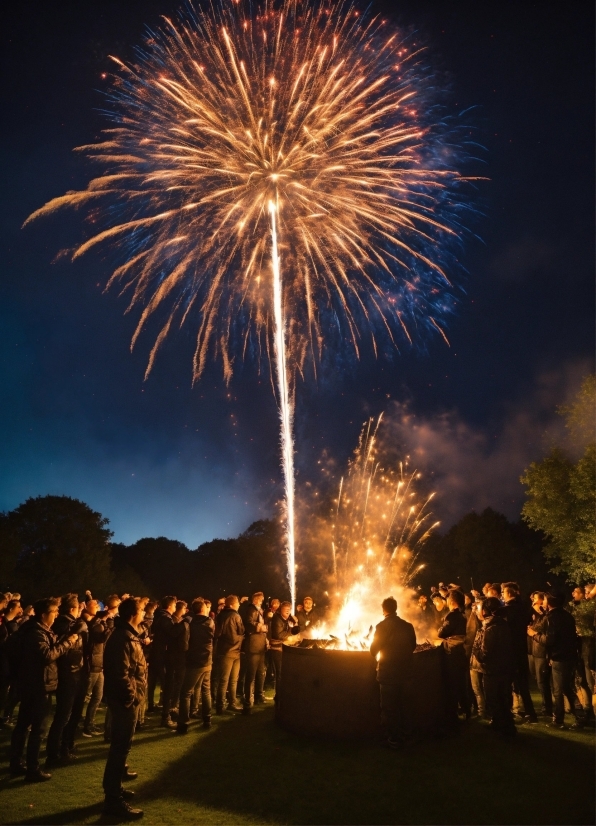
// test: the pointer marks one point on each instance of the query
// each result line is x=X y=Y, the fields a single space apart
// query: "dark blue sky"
x=160 y=457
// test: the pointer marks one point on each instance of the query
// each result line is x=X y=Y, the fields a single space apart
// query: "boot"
x=121 y=809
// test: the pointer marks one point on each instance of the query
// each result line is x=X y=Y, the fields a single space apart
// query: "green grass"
x=246 y=770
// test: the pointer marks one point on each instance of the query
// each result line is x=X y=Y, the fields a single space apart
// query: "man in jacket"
x=559 y=638
x=125 y=672
x=453 y=634
x=9 y=625
x=229 y=635
x=518 y=617
x=542 y=667
x=37 y=673
x=99 y=630
x=582 y=611
x=493 y=652
x=165 y=629
x=393 y=647
x=282 y=628
x=72 y=684
x=199 y=660
x=308 y=619
x=255 y=646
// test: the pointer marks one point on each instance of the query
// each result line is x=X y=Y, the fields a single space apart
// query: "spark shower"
x=281 y=175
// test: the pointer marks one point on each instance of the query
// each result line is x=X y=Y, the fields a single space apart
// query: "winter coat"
x=161 y=629
x=558 y=635
x=255 y=642
x=473 y=625
x=518 y=618
x=279 y=631
x=453 y=634
x=394 y=641
x=124 y=666
x=492 y=652
x=229 y=633
x=100 y=629
x=36 y=655
x=73 y=662
x=308 y=623
x=538 y=649
x=200 y=642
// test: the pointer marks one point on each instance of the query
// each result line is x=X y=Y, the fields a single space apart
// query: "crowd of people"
x=62 y=657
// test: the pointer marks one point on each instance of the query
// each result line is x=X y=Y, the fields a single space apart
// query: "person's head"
x=510 y=590
x=455 y=600
x=168 y=604
x=590 y=590
x=422 y=600
x=243 y=599
x=485 y=588
x=13 y=609
x=494 y=590
x=91 y=607
x=150 y=608
x=578 y=594
x=538 y=601
x=308 y=604
x=232 y=602
x=477 y=607
x=112 y=603
x=443 y=590
x=221 y=604
x=274 y=604
x=46 y=610
x=131 y=611
x=4 y=600
x=199 y=607
x=285 y=610
x=257 y=598
x=389 y=606
x=181 y=608
x=555 y=601
x=438 y=602
x=490 y=607
x=70 y=605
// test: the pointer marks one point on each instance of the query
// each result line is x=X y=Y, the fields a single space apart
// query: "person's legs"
x=166 y=691
x=19 y=734
x=476 y=678
x=276 y=664
x=155 y=678
x=95 y=690
x=522 y=688
x=562 y=673
x=123 y=726
x=191 y=678
x=179 y=668
x=224 y=667
x=251 y=662
x=65 y=697
x=259 y=691
x=205 y=683
x=40 y=718
x=543 y=678
x=233 y=683
x=70 y=729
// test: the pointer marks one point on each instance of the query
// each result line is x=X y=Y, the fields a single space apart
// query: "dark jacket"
x=73 y=662
x=473 y=625
x=518 y=618
x=255 y=641
x=163 y=630
x=537 y=648
x=558 y=635
x=125 y=669
x=36 y=660
x=308 y=623
x=394 y=641
x=178 y=643
x=279 y=631
x=492 y=652
x=100 y=629
x=200 y=642
x=229 y=633
x=453 y=625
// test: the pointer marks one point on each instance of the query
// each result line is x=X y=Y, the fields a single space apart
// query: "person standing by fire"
x=393 y=647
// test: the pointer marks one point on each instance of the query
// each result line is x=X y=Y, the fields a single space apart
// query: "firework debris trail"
x=328 y=115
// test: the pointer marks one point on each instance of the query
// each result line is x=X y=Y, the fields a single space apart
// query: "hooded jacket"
x=125 y=669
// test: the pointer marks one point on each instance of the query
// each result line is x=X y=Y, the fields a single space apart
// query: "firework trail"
x=277 y=173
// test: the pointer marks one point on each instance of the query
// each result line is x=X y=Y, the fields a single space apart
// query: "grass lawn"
x=246 y=770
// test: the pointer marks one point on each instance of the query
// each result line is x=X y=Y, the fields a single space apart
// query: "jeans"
x=95 y=690
x=69 y=690
x=563 y=686
x=227 y=669
x=195 y=679
x=178 y=669
x=276 y=663
x=155 y=678
x=123 y=722
x=522 y=689
x=35 y=711
x=543 y=677
x=254 y=679
x=477 y=678
x=393 y=711
x=497 y=690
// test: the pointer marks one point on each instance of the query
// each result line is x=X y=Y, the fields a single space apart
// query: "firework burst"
x=277 y=173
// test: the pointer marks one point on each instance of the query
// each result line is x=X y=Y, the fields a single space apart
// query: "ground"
x=246 y=770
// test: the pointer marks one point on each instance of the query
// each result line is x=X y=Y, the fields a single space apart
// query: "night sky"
x=161 y=458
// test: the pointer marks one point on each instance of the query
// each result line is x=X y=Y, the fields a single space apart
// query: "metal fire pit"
x=335 y=693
